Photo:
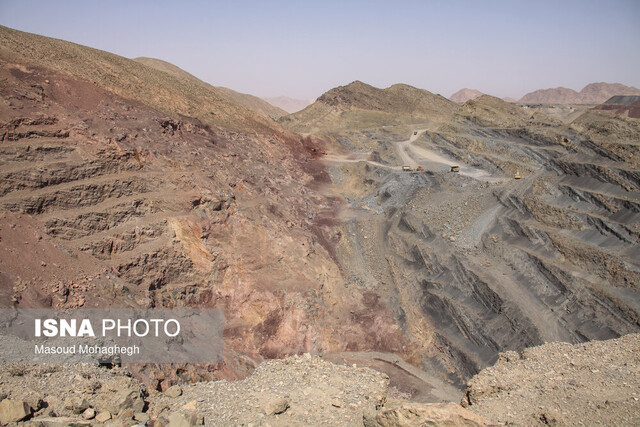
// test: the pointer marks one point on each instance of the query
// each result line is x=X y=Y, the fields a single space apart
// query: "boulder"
x=103 y=417
x=173 y=391
x=60 y=422
x=178 y=419
x=160 y=422
x=141 y=416
x=76 y=404
x=276 y=406
x=126 y=399
x=13 y=410
x=126 y=414
x=190 y=406
x=89 y=413
x=410 y=414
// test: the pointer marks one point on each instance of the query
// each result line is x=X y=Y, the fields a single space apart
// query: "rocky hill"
x=593 y=93
x=249 y=101
x=359 y=105
x=464 y=95
x=136 y=188
x=165 y=93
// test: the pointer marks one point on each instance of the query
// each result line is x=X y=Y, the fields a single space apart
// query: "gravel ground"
x=597 y=383
x=306 y=390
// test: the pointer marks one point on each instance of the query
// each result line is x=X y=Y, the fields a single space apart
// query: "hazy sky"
x=304 y=48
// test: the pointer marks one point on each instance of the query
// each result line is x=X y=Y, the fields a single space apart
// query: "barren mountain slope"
x=108 y=201
x=464 y=95
x=597 y=93
x=558 y=95
x=170 y=95
x=477 y=262
x=359 y=105
x=593 y=93
x=252 y=102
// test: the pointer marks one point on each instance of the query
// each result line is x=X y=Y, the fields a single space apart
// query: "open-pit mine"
x=392 y=229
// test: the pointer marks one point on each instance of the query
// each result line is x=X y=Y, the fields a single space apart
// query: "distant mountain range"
x=594 y=93
x=290 y=105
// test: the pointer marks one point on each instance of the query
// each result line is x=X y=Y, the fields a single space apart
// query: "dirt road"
x=413 y=156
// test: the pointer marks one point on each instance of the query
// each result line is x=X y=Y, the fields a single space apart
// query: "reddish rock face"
x=107 y=202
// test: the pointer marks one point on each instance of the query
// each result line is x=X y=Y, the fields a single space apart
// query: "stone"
x=141 y=416
x=126 y=414
x=178 y=419
x=276 y=406
x=551 y=417
x=54 y=404
x=409 y=414
x=173 y=391
x=127 y=399
x=103 y=416
x=61 y=422
x=160 y=422
x=508 y=356
x=76 y=404
x=89 y=413
x=190 y=406
x=13 y=410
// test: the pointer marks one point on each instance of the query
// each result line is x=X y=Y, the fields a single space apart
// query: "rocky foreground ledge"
x=596 y=383
x=591 y=384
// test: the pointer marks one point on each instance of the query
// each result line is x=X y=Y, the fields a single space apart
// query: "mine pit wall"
x=526 y=282
x=140 y=209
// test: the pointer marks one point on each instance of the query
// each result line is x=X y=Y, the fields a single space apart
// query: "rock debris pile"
x=596 y=383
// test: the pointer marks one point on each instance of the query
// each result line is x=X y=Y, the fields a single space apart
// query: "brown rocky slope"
x=125 y=186
x=249 y=101
x=163 y=92
x=359 y=105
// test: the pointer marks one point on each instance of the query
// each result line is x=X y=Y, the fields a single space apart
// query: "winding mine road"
x=414 y=156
